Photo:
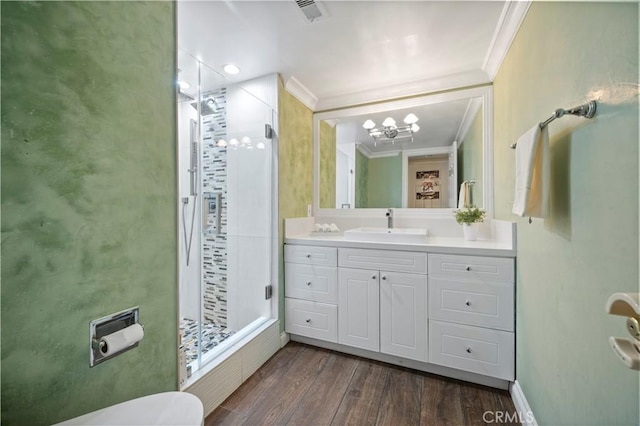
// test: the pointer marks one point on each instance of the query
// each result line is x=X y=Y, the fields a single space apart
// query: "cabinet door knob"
x=468 y=349
x=308 y=282
x=384 y=277
x=468 y=303
x=308 y=256
x=308 y=320
x=468 y=268
x=373 y=277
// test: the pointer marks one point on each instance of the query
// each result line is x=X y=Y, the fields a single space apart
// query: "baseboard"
x=522 y=405
x=284 y=339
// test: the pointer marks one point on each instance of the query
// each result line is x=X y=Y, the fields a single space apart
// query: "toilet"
x=168 y=408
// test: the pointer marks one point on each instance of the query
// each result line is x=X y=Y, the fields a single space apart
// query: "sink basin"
x=386 y=235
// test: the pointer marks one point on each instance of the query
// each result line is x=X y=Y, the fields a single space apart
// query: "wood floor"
x=305 y=385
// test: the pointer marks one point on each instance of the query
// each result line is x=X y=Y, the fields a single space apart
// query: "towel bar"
x=587 y=110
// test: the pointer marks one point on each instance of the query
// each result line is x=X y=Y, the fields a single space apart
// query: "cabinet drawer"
x=475 y=349
x=311 y=255
x=491 y=268
x=311 y=319
x=387 y=260
x=480 y=303
x=310 y=282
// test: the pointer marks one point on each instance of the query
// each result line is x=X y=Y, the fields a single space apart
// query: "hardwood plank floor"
x=305 y=385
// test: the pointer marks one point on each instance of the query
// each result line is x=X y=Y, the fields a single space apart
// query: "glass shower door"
x=235 y=217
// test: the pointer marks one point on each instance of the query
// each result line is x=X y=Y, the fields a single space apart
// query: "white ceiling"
x=362 y=51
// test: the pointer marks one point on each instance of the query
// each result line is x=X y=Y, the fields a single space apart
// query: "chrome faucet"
x=389 y=215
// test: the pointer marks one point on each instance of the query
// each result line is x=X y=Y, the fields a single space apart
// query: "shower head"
x=207 y=107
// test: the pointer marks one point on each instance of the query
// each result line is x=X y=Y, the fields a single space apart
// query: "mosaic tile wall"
x=214 y=181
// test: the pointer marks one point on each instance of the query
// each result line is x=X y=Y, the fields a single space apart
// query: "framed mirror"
x=411 y=154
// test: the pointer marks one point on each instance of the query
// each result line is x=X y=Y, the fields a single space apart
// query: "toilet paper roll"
x=115 y=342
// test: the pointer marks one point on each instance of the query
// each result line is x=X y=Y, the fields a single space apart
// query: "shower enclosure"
x=225 y=164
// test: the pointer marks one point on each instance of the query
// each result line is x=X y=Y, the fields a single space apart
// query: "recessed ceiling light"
x=231 y=69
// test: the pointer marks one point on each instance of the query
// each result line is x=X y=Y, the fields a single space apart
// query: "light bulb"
x=245 y=140
x=389 y=122
x=233 y=142
x=260 y=145
x=222 y=143
x=415 y=127
x=410 y=118
x=369 y=125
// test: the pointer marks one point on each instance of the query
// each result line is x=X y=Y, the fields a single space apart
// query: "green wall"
x=470 y=158
x=88 y=202
x=568 y=265
x=362 y=180
x=328 y=166
x=295 y=169
x=385 y=182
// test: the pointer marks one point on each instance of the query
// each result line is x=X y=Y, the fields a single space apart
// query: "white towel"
x=463 y=195
x=532 y=173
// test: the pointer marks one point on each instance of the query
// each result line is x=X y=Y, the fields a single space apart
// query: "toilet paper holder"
x=627 y=350
x=105 y=326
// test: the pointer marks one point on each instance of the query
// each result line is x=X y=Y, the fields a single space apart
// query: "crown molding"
x=430 y=85
x=508 y=24
x=364 y=150
x=301 y=93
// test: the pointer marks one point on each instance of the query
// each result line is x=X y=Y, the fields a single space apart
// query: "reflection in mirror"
x=412 y=157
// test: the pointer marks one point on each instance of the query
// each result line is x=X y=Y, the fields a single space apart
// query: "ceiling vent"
x=311 y=10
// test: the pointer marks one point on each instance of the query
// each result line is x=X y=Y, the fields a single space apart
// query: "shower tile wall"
x=214 y=180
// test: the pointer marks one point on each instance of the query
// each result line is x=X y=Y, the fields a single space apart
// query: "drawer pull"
x=373 y=277
x=384 y=277
x=468 y=303
x=309 y=256
x=468 y=268
x=308 y=320
x=468 y=349
x=308 y=282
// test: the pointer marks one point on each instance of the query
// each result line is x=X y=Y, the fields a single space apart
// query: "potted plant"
x=469 y=217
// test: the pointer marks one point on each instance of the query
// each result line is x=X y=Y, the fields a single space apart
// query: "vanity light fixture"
x=389 y=129
x=231 y=69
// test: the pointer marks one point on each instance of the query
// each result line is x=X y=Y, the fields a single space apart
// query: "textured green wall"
x=295 y=169
x=563 y=55
x=328 y=166
x=385 y=182
x=470 y=158
x=362 y=180
x=88 y=202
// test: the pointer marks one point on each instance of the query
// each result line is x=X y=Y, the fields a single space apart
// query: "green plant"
x=470 y=214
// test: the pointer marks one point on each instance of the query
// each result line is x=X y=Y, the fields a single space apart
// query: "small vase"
x=470 y=231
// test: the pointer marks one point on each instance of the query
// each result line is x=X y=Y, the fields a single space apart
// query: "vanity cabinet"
x=471 y=314
x=444 y=313
x=311 y=291
x=379 y=307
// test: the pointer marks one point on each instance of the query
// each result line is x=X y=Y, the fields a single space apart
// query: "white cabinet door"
x=359 y=308
x=403 y=317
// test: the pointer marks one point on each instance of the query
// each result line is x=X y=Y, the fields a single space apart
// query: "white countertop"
x=432 y=245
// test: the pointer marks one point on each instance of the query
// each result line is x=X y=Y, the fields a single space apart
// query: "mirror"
x=396 y=164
